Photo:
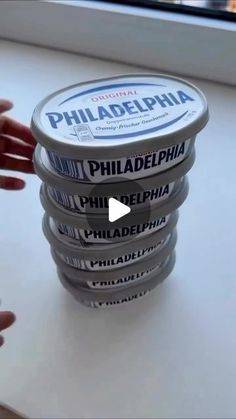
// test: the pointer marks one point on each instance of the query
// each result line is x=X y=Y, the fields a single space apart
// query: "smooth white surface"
x=171 y=354
x=116 y=210
x=171 y=42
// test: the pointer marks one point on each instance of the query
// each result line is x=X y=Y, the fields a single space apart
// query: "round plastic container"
x=74 y=248
x=114 y=263
x=82 y=198
x=122 y=275
x=107 y=298
x=78 y=226
x=111 y=258
x=117 y=262
x=132 y=126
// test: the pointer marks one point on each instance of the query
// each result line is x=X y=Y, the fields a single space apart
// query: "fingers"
x=15 y=129
x=9 y=145
x=21 y=145
x=19 y=165
x=7 y=318
x=5 y=105
x=11 y=183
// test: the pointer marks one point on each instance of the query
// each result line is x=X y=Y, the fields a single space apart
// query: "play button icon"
x=116 y=210
x=117 y=201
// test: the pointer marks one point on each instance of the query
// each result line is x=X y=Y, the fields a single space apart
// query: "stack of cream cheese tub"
x=131 y=138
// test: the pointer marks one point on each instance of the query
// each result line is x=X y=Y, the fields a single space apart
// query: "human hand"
x=7 y=318
x=16 y=140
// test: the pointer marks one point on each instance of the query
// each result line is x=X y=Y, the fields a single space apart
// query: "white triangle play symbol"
x=117 y=210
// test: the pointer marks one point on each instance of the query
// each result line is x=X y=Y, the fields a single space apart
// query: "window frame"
x=188 y=9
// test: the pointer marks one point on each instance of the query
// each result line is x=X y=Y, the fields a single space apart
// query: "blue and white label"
x=113 y=263
x=131 y=167
x=94 y=204
x=120 y=110
x=113 y=302
x=119 y=282
x=115 y=235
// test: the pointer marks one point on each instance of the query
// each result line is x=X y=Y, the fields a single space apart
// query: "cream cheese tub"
x=113 y=257
x=107 y=298
x=78 y=226
x=132 y=126
x=119 y=262
x=84 y=198
x=120 y=275
x=74 y=248
x=112 y=264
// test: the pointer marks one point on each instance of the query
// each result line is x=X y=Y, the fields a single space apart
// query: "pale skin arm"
x=16 y=141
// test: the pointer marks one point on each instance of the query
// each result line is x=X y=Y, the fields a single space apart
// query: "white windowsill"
x=164 y=41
